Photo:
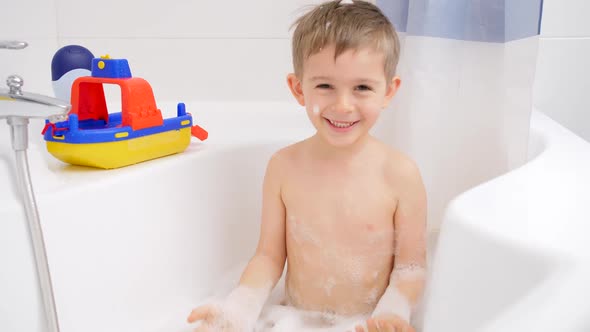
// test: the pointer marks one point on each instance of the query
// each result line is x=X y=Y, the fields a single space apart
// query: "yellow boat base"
x=122 y=153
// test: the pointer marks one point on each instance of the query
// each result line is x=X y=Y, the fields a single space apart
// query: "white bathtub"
x=134 y=249
x=514 y=253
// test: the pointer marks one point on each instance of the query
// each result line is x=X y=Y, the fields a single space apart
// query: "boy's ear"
x=296 y=89
x=392 y=88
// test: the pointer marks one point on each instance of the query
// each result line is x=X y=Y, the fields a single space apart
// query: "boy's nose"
x=343 y=103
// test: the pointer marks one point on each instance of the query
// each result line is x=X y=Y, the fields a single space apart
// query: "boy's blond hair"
x=346 y=26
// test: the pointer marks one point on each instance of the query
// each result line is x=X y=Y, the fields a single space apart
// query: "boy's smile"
x=341 y=126
x=343 y=96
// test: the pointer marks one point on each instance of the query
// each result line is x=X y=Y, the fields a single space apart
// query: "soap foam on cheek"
x=316 y=110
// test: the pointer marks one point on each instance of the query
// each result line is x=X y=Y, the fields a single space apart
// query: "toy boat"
x=92 y=137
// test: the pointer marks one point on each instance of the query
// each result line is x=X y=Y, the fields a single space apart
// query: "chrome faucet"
x=13 y=44
x=15 y=93
x=18 y=121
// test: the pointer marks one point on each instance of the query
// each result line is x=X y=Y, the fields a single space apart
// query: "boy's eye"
x=363 y=87
x=323 y=86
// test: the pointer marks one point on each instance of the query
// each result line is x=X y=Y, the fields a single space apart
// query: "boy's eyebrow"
x=321 y=78
x=367 y=80
x=360 y=80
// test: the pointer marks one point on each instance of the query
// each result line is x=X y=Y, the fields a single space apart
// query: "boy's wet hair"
x=351 y=25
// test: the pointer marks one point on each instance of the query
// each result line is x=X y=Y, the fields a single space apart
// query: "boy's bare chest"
x=339 y=208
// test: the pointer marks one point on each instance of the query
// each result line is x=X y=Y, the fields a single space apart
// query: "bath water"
x=275 y=316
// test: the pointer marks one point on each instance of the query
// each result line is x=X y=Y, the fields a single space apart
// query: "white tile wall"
x=204 y=69
x=204 y=50
x=218 y=49
x=38 y=28
x=177 y=18
x=28 y=19
x=566 y=18
x=200 y=50
x=563 y=64
x=561 y=88
x=194 y=34
x=33 y=64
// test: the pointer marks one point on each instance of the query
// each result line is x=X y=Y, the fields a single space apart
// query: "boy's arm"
x=266 y=267
x=243 y=305
x=408 y=275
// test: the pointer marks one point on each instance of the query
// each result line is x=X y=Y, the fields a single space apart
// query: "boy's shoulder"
x=399 y=167
x=283 y=157
x=288 y=152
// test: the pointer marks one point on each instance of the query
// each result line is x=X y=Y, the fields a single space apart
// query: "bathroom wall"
x=212 y=49
x=563 y=66
x=36 y=26
x=203 y=50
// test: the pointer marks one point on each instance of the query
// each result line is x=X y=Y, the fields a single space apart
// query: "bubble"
x=354 y=269
x=319 y=319
x=289 y=319
x=409 y=272
x=316 y=110
x=329 y=285
x=372 y=297
x=302 y=233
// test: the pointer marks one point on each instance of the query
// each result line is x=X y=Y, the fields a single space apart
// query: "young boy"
x=345 y=211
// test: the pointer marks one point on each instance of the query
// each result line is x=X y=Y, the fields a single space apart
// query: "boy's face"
x=343 y=98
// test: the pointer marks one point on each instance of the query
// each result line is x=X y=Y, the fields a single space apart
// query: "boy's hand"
x=385 y=323
x=212 y=319
x=238 y=312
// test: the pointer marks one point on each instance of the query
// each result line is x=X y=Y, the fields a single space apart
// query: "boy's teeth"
x=341 y=124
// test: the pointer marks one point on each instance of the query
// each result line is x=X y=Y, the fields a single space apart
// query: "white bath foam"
x=329 y=285
x=316 y=108
x=409 y=272
x=175 y=320
x=394 y=300
x=302 y=233
x=279 y=318
x=275 y=315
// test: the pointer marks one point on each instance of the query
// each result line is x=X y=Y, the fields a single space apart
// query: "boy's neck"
x=323 y=150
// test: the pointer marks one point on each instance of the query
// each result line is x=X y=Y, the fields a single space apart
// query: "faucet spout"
x=13 y=44
x=15 y=94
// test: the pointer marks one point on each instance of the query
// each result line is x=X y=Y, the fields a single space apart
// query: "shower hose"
x=19 y=134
